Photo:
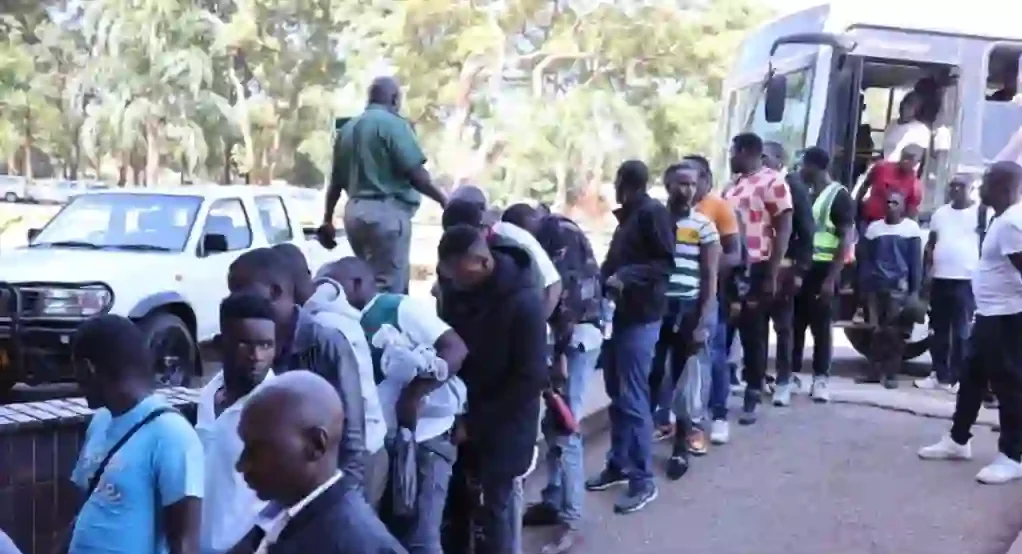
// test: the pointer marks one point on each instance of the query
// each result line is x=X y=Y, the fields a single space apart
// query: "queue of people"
x=349 y=417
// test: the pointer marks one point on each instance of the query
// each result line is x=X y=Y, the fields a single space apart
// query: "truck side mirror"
x=773 y=98
x=213 y=243
x=33 y=233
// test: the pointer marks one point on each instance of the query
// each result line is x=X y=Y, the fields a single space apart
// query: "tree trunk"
x=152 y=153
x=27 y=162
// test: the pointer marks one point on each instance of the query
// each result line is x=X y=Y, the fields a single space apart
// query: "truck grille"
x=9 y=293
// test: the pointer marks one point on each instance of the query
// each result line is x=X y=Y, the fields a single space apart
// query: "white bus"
x=833 y=76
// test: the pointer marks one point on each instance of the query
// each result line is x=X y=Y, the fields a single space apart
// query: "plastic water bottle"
x=607 y=314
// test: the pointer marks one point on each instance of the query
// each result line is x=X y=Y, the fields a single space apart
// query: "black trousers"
x=754 y=328
x=478 y=514
x=782 y=314
x=817 y=317
x=951 y=310
x=992 y=358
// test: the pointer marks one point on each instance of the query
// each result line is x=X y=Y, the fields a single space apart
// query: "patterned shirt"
x=691 y=234
x=758 y=199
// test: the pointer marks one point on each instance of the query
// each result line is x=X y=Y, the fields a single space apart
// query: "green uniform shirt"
x=373 y=155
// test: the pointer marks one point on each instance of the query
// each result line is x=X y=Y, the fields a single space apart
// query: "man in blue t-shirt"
x=149 y=496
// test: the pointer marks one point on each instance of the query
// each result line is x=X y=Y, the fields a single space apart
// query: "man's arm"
x=709 y=269
x=423 y=326
x=801 y=250
x=842 y=215
x=528 y=362
x=658 y=238
x=408 y=157
x=336 y=362
x=782 y=236
x=914 y=198
x=338 y=179
x=179 y=471
x=931 y=243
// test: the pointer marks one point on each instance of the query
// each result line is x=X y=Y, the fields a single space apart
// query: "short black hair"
x=748 y=142
x=243 y=305
x=266 y=265
x=114 y=346
x=633 y=174
x=518 y=214
x=294 y=258
x=462 y=212
x=671 y=169
x=457 y=241
x=704 y=165
x=816 y=157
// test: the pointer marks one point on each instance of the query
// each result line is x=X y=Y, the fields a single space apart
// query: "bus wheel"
x=860 y=339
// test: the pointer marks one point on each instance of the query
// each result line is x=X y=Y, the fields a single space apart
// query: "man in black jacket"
x=797 y=259
x=489 y=297
x=304 y=344
x=635 y=273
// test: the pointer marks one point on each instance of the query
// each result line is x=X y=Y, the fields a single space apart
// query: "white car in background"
x=158 y=257
x=12 y=188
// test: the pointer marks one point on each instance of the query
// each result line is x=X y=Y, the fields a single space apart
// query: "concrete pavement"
x=813 y=479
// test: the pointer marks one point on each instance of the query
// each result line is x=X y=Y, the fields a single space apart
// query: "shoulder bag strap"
x=94 y=480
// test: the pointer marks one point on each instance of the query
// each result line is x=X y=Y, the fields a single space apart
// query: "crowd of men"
x=308 y=438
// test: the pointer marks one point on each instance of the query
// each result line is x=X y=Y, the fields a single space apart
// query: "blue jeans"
x=626 y=377
x=720 y=374
x=951 y=309
x=565 y=487
x=420 y=534
x=685 y=384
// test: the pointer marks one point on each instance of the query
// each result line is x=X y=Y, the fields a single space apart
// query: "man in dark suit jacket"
x=291 y=429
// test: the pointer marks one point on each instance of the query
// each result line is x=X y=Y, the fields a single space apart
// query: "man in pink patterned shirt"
x=763 y=202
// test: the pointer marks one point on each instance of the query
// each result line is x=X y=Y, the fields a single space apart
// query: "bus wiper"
x=68 y=244
x=140 y=247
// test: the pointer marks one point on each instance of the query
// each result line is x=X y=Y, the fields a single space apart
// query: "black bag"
x=404 y=486
x=572 y=254
x=96 y=475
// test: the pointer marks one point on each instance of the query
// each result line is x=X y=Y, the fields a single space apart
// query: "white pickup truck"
x=159 y=257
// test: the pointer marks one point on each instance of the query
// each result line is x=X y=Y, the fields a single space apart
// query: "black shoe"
x=635 y=500
x=540 y=514
x=677 y=466
x=606 y=479
x=890 y=383
x=749 y=404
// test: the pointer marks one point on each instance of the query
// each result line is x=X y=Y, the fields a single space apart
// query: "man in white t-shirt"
x=426 y=406
x=907 y=129
x=951 y=255
x=992 y=356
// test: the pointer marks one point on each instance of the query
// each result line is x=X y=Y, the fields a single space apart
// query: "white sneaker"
x=819 y=392
x=782 y=395
x=720 y=432
x=950 y=389
x=928 y=383
x=1002 y=470
x=946 y=449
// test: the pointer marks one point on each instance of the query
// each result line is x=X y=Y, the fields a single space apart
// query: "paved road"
x=835 y=479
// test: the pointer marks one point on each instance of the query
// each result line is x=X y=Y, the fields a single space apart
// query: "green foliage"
x=527 y=97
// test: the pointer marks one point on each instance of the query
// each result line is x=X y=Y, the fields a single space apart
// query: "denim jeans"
x=420 y=534
x=720 y=375
x=565 y=487
x=951 y=308
x=685 y=385
x=626 y=377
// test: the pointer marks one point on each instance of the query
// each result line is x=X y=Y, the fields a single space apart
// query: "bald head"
x=299 y=400
x=1000 y=188
x=470 y=194
x=355 y=277
x=386 y=92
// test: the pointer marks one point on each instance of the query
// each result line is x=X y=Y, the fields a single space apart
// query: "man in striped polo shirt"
x=682 y=361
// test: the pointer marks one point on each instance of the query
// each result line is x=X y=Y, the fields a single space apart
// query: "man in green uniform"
x=379 y=164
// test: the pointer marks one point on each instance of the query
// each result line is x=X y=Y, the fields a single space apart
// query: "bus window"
x=790 y=132
x=1002 y=113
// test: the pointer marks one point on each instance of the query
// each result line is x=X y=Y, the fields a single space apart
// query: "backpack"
x=572 y=255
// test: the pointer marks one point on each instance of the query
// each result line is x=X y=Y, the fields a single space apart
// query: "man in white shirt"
x=292 y=429
x=247 y=345
x=907 y=129
x=426 y=406
x=991 y=355
x=951 y=255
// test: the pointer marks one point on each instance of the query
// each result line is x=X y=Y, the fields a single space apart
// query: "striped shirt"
x=690 y=235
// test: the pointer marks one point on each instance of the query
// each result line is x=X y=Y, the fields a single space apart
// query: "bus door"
x=839 y=133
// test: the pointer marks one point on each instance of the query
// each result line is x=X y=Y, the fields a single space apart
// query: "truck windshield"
x=157 y=222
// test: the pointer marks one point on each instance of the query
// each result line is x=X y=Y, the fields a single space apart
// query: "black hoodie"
x=503 y=325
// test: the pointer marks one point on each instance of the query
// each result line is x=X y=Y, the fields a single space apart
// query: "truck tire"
x=10 y=197
x=860 y=338
x=175 y=354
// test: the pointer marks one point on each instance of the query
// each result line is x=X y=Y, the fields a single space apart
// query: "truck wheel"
x=860 y=339
x=173 y=348
x=10 y=197
x=6 y=384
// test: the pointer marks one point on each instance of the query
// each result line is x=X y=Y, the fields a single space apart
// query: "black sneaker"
x=677 y=466
x=749 y=404
x=606 y=479
x=890 y=382
x=540 y=514
x=635 y=500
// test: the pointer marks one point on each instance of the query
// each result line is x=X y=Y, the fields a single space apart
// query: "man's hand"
x=326 y=234
x=700 y=336
x=407 y=409
x=614 y=282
